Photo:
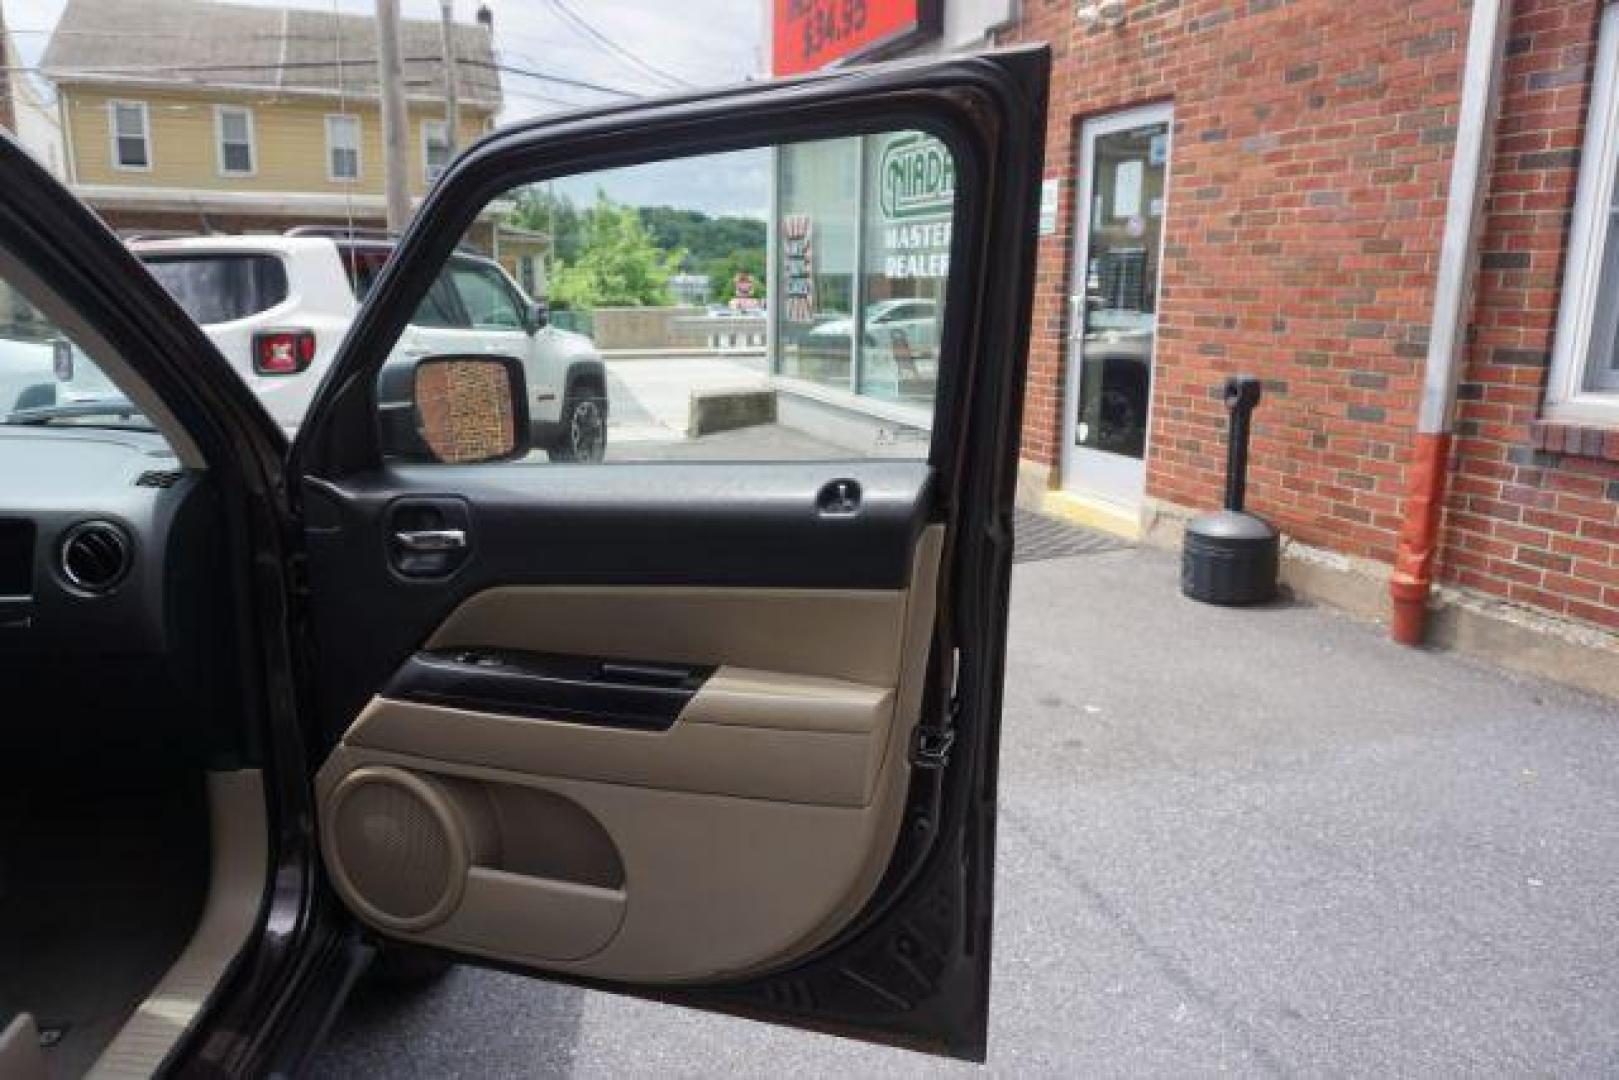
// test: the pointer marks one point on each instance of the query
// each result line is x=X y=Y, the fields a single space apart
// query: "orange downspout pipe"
x=1418 y=541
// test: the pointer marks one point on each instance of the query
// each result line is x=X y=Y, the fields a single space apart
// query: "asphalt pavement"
x=1256 y=842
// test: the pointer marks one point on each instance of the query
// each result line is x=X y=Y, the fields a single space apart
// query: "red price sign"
x=809 y=34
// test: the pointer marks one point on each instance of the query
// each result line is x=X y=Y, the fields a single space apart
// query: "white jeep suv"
x=277 y=307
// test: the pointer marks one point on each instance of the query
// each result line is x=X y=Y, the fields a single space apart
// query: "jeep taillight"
x=283 y=352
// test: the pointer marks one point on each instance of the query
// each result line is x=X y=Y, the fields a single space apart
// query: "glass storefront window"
x=882 y=204
x=909 y=197
x=818 y=203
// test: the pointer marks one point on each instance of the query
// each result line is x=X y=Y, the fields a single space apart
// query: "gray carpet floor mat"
x=100 y=886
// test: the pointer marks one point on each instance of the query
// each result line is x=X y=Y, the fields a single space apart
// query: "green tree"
x=722 y=271
x=703 y=236
x=617 y=263
x=716 y=246
x=540 y=209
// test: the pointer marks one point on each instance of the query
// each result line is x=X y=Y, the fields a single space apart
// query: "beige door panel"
x=743 y=697
x=548 y=920
x=712 y=884
x=830 y=767
x=832 y=633
x=744 y=835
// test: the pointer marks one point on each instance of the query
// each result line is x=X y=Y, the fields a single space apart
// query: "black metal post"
x=1241 y=395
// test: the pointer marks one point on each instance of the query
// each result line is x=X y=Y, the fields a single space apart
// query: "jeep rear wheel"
x=584 y=431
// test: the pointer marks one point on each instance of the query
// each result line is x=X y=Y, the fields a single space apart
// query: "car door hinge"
x=931 y=743
x=930 y=746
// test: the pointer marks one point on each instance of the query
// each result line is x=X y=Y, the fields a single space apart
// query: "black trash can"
x=1232 y=557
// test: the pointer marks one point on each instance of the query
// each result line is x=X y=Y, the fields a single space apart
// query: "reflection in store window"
x=905 y=265
x=818 y=203
x=884 y=203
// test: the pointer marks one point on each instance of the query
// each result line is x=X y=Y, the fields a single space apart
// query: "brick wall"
x=1308 y=167
x=1311 y=156
x=1533 y=512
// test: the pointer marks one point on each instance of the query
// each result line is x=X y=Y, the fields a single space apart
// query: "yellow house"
x=189 y=115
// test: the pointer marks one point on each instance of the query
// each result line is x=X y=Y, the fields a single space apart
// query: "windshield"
x=221 y=287
x=47 y=379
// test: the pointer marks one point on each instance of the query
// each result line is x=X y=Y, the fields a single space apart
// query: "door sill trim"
x=1095 y=513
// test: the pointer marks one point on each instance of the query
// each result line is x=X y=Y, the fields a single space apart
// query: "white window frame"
x=219 y=141
x=1567 y=398
x=428 y=126
x=359 y=144
x=112 y=134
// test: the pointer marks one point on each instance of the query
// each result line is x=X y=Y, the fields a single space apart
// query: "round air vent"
x=95 y=556
x=395 y=847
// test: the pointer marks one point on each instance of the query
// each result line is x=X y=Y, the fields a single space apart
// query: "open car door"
x=714 y=721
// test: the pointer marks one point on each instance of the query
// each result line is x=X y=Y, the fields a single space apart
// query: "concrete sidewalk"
x=1251 y=841
x=651 y=398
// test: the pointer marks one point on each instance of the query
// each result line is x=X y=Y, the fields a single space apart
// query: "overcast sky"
x=697 y=42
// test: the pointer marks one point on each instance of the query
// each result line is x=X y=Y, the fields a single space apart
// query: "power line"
x=346 y=62
x=642 y=86
x=730 y=54
x=560 y=80
x=149 y=69
x=529 y=95
x=170 y=35
x=578 y=22
x=575 y=20
x=737 y=65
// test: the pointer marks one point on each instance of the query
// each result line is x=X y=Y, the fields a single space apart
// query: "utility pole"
x=395 y=130
x=452 y=98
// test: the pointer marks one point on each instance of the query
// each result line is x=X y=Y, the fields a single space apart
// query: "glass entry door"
x=1113 y=306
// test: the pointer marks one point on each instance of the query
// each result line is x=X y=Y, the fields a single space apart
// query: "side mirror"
x=539 y=314
x=455 y=410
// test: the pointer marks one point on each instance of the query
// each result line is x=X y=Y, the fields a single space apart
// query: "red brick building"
x=1261 y=186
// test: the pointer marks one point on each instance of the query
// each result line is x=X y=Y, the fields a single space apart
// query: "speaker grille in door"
x=395 y=840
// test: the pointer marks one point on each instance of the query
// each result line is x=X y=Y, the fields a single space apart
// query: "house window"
x=234 y=128
x=1584 y=379
x=131 y=135
x=435 y=149
x=343 y=147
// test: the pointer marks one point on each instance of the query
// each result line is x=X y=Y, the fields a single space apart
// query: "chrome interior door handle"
x=423 y=541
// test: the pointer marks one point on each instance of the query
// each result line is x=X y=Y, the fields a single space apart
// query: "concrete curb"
x=727 y=410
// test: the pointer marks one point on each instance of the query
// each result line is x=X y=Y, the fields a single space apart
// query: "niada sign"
x=916 y=192
x=916 y=178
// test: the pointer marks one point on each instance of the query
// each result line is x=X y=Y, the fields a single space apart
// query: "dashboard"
x=111 y=577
